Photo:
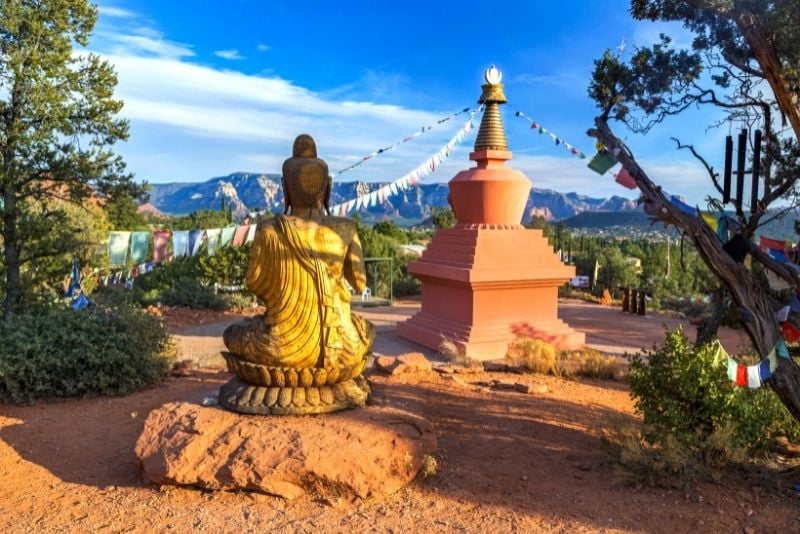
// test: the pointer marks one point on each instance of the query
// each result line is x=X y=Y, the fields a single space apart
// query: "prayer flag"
x=765 y=243
x=778 y=255
x=118 y=247
x=783 y=314
x=226 y=236
x=681 y=205
x=764 y=372
x=794 y=303
x=722 y=228
x=790 y=332
x=240 y=235
x=251 y=233
x=75 y=282
x=140 y=245
x=602 y=162
x=213 y=240
x=741 y=375
x=753 y=377
x=710 y=220
x=195 y=240
x=782 y=349
x=160 y=245
x=80 y=303
x=732 y=365
x=180 y=243
x=625 y=179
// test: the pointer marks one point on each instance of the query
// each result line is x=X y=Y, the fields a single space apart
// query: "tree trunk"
x=744 y=289
x=762 y=48
x=707 y=330
x=11 y=255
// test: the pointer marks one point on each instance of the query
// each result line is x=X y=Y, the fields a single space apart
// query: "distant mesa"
x=149 y=209
x=245 y=192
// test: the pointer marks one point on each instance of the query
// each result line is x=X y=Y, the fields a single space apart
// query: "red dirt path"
x=508 y=462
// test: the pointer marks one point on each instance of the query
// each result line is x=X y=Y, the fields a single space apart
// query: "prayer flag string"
x=398 y=143
x=412 y=178
x=572 y=149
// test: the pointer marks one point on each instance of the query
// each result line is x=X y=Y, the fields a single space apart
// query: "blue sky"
x=212 y=88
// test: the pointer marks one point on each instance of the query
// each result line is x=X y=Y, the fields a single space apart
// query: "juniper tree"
x=744 y=60
x=58 y=121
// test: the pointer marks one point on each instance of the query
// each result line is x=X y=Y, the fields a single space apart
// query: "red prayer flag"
x=160 y=245
x=790 y=332
x=741 y=375
x=625 y=179
x=775 y=244
x=240 y=236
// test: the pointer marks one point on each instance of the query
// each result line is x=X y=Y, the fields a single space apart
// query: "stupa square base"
x=483 y=287
x=487 y=341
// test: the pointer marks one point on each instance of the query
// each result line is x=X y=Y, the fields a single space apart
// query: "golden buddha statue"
x=307 y=352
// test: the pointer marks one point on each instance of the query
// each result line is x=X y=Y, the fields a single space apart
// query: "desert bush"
x=683 y=393
x=55 y=352
x=534 y=355
x=590 y=363
x=538 y=356
x=636 y=460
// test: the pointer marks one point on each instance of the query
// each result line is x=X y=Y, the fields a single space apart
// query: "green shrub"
x=683 y=393
x=55 y=352
x=188 y=281
x=189 y=293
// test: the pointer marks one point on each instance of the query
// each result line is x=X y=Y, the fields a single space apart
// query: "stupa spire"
x=492 y=134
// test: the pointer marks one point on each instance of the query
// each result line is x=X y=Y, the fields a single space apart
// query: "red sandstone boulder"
x=372 y=451
x=412 y=362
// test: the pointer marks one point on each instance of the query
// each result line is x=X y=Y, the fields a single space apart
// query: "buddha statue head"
x=306 y=183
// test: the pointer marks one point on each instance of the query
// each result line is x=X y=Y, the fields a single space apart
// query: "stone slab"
x=364 y=453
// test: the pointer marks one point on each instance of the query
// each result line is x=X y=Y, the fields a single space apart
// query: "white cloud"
x=132 y=44
x=116 y=12
x=263 y=47
x=190 y=122
x=231 y=55
x=209 y=120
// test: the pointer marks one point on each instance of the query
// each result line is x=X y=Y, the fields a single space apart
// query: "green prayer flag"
x=213 y=240
x=226 y=236
x=140 y=245
x=118 y=247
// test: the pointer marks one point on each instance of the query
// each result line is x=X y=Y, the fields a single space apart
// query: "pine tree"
x=58 y=120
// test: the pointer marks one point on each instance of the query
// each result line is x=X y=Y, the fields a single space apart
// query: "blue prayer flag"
x=778 y=255
x=687 y=209
x=763 y=370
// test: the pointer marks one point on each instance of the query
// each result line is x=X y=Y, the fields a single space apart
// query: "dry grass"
x=429 y=467
x=592 y=364
x=538 y=356
x=671 y=463
x=534 y=355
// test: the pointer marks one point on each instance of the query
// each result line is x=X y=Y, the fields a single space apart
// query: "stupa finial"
x=492 y=134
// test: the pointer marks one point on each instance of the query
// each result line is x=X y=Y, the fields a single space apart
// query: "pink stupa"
x=489 y=279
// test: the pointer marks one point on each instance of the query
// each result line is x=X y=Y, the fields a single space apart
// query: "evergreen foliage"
x=56 y=352
x=683 y=393
x=58 y=120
